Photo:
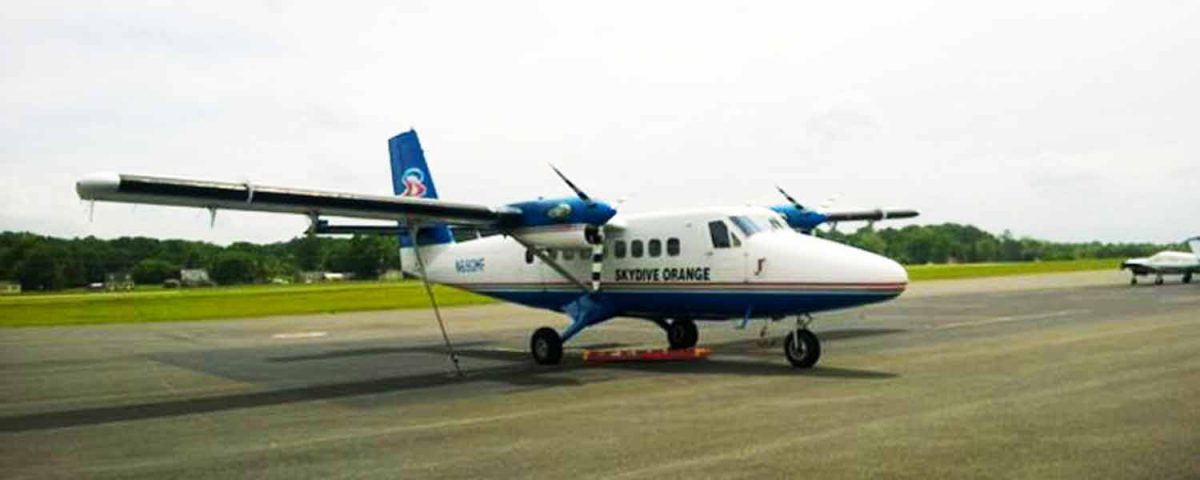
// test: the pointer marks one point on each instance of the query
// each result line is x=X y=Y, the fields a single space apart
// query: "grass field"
x=211 y=303
x=157 y=305
x=978 y=270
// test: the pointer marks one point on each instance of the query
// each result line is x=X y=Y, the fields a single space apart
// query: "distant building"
x=317 y=277
x=9 y=288
x=391 y=275
x=194 y=277
x=118 y=281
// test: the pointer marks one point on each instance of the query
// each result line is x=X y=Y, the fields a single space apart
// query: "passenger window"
x=719 y=233
x=619 y=248
x=568 y=254
x=673 y=247
x=655 y=247
x=635 y=248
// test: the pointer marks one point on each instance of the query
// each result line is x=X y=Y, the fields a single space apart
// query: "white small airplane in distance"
x=578 y=256
x=1166 y=263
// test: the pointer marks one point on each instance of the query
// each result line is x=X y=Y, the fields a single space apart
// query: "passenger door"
x=726 y=255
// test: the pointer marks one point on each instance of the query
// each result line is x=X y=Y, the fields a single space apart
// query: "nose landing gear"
x=802 y=348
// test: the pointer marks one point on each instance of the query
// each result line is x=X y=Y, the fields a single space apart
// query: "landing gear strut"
x=682 y=334
x=546 y=346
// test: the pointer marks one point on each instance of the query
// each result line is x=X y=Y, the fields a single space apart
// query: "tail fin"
x=1194 y=242
x=411 y=178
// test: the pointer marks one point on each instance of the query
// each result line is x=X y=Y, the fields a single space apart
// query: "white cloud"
x=1066 y=120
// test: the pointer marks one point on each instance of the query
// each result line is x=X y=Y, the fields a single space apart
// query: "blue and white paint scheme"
x=579 y=256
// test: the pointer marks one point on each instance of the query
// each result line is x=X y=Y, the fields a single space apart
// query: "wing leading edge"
x=180 y=192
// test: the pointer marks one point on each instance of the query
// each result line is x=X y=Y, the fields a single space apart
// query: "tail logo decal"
x=414 y=183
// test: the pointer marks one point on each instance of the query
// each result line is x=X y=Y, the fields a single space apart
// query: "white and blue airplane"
x=579 y=256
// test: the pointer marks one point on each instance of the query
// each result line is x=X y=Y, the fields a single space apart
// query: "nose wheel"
x=802 y=348
x=546 y=346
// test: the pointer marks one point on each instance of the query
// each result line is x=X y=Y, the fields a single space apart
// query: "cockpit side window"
x=720 y=234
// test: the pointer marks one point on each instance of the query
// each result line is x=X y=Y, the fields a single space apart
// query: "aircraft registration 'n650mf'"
x=579 y=256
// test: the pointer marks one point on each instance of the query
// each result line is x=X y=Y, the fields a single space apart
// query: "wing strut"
x=553 y=264
x=412 y=231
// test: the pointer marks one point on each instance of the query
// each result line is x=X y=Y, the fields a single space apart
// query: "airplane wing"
x=261 y=198
x=867 y=215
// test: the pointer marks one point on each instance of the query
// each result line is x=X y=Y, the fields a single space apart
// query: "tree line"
x=954 y=243
x=47 y=263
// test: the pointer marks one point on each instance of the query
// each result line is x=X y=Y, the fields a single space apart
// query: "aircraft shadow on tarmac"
x=516 y=370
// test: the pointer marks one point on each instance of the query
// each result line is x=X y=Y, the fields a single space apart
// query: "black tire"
x=546 y=346
x=1158 y=280
x=1133 y=280
x=805 y=353
x=1187 y=277
x=682 y=334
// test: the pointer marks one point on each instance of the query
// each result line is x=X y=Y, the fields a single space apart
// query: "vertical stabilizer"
x=411 y=178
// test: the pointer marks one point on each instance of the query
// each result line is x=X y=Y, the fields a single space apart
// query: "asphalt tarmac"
x=1055 y=376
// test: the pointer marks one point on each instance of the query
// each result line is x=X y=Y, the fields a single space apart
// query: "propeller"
x=582 y=196
x=789 y=198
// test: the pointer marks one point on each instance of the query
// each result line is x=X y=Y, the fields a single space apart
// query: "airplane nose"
x=891 y=271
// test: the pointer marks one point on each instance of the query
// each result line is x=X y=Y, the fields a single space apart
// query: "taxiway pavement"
x=1053 y=376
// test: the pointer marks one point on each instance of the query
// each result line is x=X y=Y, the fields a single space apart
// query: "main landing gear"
x=546 y=346
x=682 y=334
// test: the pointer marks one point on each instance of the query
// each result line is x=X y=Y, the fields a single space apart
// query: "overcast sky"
x=1058 y=120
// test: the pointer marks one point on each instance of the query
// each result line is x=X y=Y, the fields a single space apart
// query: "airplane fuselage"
x=703 y=264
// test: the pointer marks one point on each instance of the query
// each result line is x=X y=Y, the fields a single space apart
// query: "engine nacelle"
x=561 y=223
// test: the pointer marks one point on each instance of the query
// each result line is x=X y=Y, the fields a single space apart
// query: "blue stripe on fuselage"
x=702 y=304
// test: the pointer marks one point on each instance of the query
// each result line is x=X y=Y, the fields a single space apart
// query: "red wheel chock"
x=660 y=355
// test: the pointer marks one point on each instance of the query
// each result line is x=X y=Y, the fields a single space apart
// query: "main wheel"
x=1187 y=277
x=682 y=334
x=802 y=348
x=1158 y=280
x=1133 y=280
x=546 y=346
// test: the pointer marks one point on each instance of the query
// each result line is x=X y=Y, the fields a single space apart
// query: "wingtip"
x=97 y=184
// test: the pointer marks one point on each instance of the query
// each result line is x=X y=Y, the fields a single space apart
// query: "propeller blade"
x=582 y=196
x=789 y=198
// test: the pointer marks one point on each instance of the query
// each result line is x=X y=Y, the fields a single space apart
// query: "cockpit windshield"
x=746 y=225
x=753 y=225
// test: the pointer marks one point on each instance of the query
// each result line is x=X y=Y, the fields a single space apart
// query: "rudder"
x=411 y=178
